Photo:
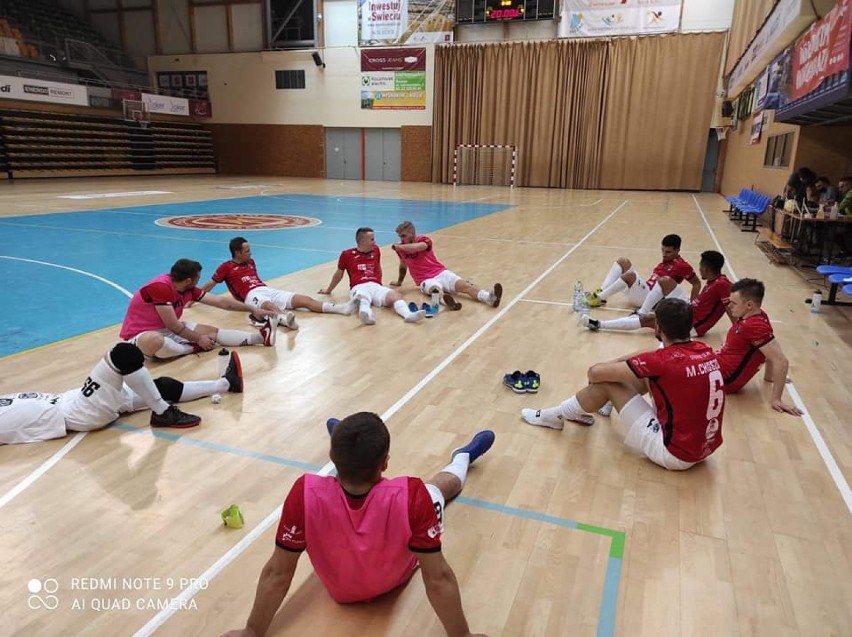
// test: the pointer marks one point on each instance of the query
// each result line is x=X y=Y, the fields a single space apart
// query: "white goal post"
x=485 y=165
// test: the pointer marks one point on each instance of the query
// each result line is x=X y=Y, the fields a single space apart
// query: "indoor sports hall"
x=519 y=179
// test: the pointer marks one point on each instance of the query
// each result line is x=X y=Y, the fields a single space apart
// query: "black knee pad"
x=170 y=388
x=126 y=358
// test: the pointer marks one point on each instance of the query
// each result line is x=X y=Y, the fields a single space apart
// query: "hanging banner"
x=756 y=127
x=166 y=104
x=823 y=50
x=606 y=18
x=387 y=22
x=393 y=79
x=24 y=88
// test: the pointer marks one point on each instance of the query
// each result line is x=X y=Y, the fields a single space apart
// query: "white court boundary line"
x=188 y=593
x=813 y=430
x=56 y=457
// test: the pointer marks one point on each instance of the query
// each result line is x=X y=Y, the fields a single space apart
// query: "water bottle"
x=816 y=301
x=223 y=359
x=436 y=300
x=579 y=297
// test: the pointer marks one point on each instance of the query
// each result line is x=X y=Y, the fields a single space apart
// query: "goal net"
x=484 y=165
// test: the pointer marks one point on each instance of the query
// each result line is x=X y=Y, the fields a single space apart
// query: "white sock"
x=364 y=305
x=170 y=349
x=617 y=286
x=625 y=324
x=483 y=296
x=458 y=467
x=571 y=408
x=195 y=389
x=143 y=386
x=401 y=308
x=235 y=338
x=655 y=295
x=333 y=308
x=611 y=276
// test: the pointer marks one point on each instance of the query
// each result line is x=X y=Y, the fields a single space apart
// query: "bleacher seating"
x=43 y=144
x=747 y=207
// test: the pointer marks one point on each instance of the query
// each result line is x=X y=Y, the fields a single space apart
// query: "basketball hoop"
x=136 y=111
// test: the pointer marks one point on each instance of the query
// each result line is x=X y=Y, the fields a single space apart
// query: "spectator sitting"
x=798 y=182
x=827 y=192
x=844 y=188
x=812 y=199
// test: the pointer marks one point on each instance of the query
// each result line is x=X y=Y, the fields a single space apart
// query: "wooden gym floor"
x=557 y=533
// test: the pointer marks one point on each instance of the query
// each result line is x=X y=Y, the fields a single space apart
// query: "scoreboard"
x=485 y=11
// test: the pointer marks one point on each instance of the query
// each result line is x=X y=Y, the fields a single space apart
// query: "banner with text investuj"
x=607 y=18
x=389 y=22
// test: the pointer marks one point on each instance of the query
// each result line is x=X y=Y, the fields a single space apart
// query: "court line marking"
x=41 y=470
x=521 y=241
x=65 y=267
x=824 y=452
x=188 y=593
x=586 y=205
x=566 y=304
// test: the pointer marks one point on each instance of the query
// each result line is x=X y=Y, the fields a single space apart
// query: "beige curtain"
x=659 y=103
x=749 y=15
x=546 y=98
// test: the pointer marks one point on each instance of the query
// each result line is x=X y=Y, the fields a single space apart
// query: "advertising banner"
x=823 y=50
x=22 y=88
x=386 y=22
x=393 y=79
x=607 y=18
x=165 y=104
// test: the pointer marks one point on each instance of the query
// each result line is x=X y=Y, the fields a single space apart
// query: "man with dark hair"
x=363 y=264
x=366 y=534
x=827 y=192
x=416 y=254
x=707 y=308
x=153 y=320
x=750 y=342
x=683 y=424
x=118 y=384
x=623 y=277
x=844 y=189
x=245 y=285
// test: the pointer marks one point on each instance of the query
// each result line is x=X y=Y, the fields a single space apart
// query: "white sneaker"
x=367 y=317
x=588 y=322
x=534 y=417
x=288 y=320
x=606 y=410
x=415 y=317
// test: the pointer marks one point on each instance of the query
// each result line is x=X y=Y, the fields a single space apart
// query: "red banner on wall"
x=823 y=50
x=393 y=60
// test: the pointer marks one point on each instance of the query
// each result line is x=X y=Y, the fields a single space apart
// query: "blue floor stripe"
x=609 y=599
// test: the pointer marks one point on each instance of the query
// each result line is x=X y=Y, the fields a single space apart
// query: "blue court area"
x=65 y=274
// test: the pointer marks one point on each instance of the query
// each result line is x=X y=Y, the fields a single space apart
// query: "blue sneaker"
x=430 y=313
x=516 y=382
x=532 y=381
x=330 y=424
x=477 y=446
x=412 y=307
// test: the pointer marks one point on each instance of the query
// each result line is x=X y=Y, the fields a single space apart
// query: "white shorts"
x=30 y=417
x=645 y=436
x=282 y=299
x=180 y=340
x=446 y=281
x=373 y=292
x=438 y=501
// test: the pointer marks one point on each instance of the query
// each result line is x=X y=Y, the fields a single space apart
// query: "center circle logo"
x=237 y=222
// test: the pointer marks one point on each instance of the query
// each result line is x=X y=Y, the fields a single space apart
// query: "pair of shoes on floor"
x=426 y=308
x=287 y=319
x=477 y=446
x=523 y=383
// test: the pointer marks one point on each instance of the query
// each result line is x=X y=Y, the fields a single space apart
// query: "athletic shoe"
x=330 y=424
x=428 y=310
x=415 y=317
x=532 y=381
x=515 y=381
x=477 y=446
x=451 y=303
x=593 y=300
x=606 y=410
x=496 y=295
x=234 y=374
x=270 y=331
x=175 y=418
x=537 y=417
x=587 y=321
x=367 y=317
x=256 y=321
x=288 y=320
x=412 y=307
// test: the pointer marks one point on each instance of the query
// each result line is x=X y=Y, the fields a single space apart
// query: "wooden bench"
x=773 y=246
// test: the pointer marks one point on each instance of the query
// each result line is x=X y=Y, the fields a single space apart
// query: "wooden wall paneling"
x=269 y=149
x=416 y=153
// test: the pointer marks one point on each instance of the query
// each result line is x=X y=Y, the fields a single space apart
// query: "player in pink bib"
x=417 y=256
x=365 y=534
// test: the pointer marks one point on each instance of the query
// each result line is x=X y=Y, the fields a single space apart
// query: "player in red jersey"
x=623 y=277
x=153 y=319
x=750 y=342
x=363 y=264
x=366 y=534
x=245 y=285
x=683 y=425
x=707 y=308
